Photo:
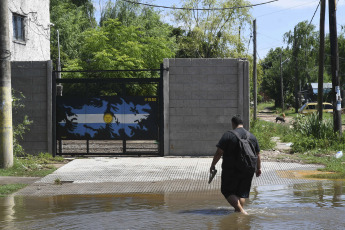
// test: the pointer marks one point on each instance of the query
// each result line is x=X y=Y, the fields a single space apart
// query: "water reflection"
x=269 y=207
x=7 y=208
x=323 y=194
x=213 y=212
x=236 y=221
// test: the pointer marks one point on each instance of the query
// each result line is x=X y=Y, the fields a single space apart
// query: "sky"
x=273 y=19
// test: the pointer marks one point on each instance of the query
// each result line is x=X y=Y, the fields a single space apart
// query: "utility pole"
x=6 y=132
x=296 y=69
x=281 y=79
x=254 y=70
x=59 y=86
x=321 y=58
x=59 y=60
x=281 y=83
x=335 y=66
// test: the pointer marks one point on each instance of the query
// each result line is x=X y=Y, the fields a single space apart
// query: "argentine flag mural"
x=107 y=118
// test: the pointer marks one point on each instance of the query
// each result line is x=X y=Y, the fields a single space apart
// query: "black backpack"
x=246 y=159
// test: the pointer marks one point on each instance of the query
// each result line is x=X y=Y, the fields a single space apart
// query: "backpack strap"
x=238 y=135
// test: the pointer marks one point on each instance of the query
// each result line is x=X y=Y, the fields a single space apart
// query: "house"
x=311 y=90
x=327 y=87
x=29 y=30
x=31 y=70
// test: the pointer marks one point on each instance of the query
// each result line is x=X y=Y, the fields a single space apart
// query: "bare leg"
x=242 y=201
x=236 y=202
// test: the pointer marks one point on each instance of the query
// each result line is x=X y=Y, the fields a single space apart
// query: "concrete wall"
x=36 y=46
x=33 y=79
x=200 y=97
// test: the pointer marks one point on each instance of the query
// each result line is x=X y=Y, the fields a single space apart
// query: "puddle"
x=315 y=205
x=302 y=174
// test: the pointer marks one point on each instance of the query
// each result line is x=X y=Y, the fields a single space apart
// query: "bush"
x=263 y=132
x=312 y=134
x=19 y=128
x=311 y=126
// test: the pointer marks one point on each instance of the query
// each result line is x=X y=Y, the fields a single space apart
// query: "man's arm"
x=219 y=153
x=258 y=168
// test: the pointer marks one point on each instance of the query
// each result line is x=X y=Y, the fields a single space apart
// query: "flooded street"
x=314 y=205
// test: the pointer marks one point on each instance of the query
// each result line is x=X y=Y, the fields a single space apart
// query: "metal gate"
x=108 y=116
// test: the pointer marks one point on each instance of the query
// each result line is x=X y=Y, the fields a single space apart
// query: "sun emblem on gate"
x=108 y=118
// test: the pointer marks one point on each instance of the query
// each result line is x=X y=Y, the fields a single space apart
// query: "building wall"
x=200 y=97
x=36 y=46
x=33 y=80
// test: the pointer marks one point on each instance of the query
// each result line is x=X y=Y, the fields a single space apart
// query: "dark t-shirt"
x=229 y=143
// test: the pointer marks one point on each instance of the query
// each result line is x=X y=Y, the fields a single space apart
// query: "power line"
x=211 y=9
x=251 y=36
x=258 y=55
x=285 y=9
x=269 y=37
x=314 y=14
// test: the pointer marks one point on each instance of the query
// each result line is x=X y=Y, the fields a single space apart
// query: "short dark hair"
x=237 y=120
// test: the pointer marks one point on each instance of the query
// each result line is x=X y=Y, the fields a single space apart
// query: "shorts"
x=234 y=183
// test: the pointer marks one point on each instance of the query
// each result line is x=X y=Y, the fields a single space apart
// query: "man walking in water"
x=235 y=184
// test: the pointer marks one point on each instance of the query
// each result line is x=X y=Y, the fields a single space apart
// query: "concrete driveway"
x=150 y=175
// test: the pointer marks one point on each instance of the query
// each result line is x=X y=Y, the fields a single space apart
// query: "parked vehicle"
x=311 y=107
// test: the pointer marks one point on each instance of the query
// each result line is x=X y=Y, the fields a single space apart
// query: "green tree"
x=303 y=44
x=271 y=82
x=307 y=40
x=146 y=19
x=71 y=18
x=114 y=46
x=341 y=51
x=125 y=12
x=211 y=33
x=303 y=57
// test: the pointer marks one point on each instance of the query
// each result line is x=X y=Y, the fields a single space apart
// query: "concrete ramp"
x=149 y=175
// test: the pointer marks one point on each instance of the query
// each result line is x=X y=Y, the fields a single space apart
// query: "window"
x=327 y=106
x=311 y=107
x=18 y=27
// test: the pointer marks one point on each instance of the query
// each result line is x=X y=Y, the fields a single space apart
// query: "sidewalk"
x=150 y=175
x=17 y=180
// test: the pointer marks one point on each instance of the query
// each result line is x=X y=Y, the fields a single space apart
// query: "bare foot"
x=244 y=212
x=241 y=211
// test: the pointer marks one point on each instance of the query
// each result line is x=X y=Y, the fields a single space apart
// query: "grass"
x=264 y=131
x=29 y=166
x=307 y=147
x=332 y=164
x=264 y=105
x=32 y=166
x=57 y=181
x=10 y=188
x=330 y=116
x=276 y=110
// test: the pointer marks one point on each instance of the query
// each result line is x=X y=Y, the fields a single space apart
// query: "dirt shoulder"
x=269 y=115
x=278 y=156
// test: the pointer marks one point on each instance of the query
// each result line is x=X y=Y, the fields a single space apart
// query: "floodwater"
x=316 y=205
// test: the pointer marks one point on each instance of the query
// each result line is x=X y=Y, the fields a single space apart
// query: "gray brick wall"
x=200 y=97
x=33 y=79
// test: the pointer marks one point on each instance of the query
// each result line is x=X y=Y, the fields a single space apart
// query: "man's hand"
x=258 y=172
x=216 y=158
x=212 y=168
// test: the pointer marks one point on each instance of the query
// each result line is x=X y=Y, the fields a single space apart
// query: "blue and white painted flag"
x=104 y=118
